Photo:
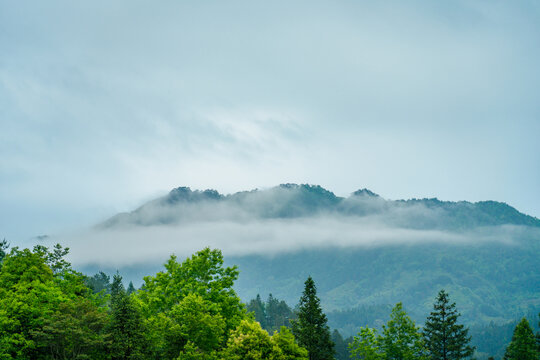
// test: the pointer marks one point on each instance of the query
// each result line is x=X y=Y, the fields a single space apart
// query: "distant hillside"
x=288 y=201
x=363 y=251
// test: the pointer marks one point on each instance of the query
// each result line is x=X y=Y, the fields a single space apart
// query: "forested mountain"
x=285 y=201
x=366 y=253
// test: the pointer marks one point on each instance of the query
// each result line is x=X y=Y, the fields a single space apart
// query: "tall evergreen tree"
x=126 y=327
x=311 y=329
x=445 y=339
x=523 y=345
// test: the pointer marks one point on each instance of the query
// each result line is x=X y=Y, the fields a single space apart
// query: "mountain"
x=364 y=252
x=289 y=201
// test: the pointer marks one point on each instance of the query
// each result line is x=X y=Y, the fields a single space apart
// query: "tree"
x=400 y=340
x=166 y=298
x=288 y=348
x=257 y=307
x=445 y=339
x=250 y=342
x=126 y=329
x=311 y=329
x=340 y=345
x=75 y=331
x=366 y=345
x=523 y=345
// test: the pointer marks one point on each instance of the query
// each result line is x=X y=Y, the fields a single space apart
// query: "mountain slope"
x=289 y=201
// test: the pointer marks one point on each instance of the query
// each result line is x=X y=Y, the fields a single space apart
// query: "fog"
x=154 y=244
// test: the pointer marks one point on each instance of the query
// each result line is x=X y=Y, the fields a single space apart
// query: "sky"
x=105 y=105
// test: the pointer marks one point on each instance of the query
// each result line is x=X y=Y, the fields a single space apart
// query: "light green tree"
x=400 y=340
x=523 y=345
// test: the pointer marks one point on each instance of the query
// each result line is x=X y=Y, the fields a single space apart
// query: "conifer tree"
x=311 y=329
x=523 y=345
x=126 y=327
x=445 y=339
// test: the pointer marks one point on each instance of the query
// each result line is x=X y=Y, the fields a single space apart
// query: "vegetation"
x=446 y=339
x=523 y=345
x=189 y=310
x=400 y=339
x=311 y=329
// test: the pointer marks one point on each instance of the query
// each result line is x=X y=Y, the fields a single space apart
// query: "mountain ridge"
x=287 y=201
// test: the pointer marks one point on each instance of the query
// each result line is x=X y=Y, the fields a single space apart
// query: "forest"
x=189 y=310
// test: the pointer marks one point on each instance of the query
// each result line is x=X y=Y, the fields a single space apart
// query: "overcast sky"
x=107 y=104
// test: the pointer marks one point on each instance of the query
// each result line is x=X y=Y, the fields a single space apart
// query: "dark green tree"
x=311 y=329
x=126 y=329
x=341 y=346
x=445 y=339
x=3 y=247
x=99 y=282
x=131 y=288
x=523 y=345
x=257 y=307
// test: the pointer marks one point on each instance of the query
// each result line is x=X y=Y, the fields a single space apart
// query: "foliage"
x=126 y=328
x=341 y=345
x=523 y=345
x=272 y=314
x=192 y=300
x=444 y=338
x=250 y=342
x=400 y=339
x=76 y=330
x=311 y=329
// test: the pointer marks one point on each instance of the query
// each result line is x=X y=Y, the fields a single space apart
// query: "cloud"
x=133 y=245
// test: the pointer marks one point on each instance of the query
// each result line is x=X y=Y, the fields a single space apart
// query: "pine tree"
x=523 y=345
x=126 y=327
x=311 y=329
x=445 y=339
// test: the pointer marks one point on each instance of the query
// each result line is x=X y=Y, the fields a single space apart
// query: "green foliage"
x=311 y=329
x=126 y=329
x=288 y=348
x=99 y=282
x=400 y=339
x=273 y=314
x=76 y=330
x=341 y=345
x=446 y=339
x=366 y=345
x=523 y=345
x=28 y=295
x=192 y=300
x=250 y=342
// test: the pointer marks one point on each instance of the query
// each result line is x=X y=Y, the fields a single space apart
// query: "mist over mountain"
x=289 y=201
x=362 y=250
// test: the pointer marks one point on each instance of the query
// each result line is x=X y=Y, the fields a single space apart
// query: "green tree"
x=340 y=346
x=311 y=329
x=288 y=348
x=3 y=247
x=75 y=331
x=250 y=342
x=400 y=340
x=206 y=282
x=523 y=345
x=28 y=296
x=99 y=282
x=445 y=339
x=126 y=329
x=366 y=345
x=257 y=307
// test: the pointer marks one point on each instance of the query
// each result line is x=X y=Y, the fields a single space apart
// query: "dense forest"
x=189 y=310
